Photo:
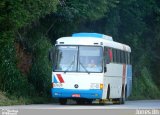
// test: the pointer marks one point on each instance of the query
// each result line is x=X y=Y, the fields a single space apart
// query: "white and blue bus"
x=91 y=66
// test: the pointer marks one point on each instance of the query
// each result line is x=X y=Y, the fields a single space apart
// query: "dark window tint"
x=118 y=56
x=114 y=55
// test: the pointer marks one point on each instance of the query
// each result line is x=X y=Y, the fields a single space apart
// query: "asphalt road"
x=139 y=104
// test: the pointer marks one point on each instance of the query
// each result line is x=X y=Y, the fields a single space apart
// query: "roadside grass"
x=13 y=100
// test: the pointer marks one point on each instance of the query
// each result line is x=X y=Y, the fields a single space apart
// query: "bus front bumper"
x=72 y=93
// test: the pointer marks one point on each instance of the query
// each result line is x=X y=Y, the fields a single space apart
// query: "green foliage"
x=71 y=15
x=85 y=9
x=144 y=87
x=26 y=11
x=40 y=74
x=15 y=14
x=11 y=80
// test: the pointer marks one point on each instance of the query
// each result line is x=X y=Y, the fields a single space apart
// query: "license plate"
x=75 y=95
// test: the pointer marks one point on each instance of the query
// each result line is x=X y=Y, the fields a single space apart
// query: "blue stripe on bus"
x=129 y=80
x=67 y=93
x=54 y=79
x=129 y=70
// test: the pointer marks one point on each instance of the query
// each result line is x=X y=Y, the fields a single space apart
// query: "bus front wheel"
x=63 y=101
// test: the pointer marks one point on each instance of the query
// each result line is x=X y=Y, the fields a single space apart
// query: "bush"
x=144 y=87
x=11 y=80
x=40 y=74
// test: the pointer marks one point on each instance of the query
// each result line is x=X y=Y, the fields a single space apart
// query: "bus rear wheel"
x=63 y=101
x=121 y=100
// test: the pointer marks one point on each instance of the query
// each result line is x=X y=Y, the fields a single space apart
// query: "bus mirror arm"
x=51 y=55
x=105 y=69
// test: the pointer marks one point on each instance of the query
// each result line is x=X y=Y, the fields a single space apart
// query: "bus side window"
x=121 y=56
x=129 y=58
x=110 y=54
x=126 y=57
x=118 y=56
x=114 y=55
x=107 y=55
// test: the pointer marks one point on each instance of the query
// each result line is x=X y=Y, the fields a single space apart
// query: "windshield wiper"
x=69 y=66
x=84 y=67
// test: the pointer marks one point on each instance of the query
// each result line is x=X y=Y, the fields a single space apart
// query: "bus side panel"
x=129 y=80
x=114 y=79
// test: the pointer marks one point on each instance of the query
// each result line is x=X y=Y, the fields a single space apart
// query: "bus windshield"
x=78 y=59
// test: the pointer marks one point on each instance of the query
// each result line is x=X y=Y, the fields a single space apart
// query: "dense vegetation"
x=30 y=27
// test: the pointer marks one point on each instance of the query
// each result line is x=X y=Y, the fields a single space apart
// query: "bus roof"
x=95 y=35
x=93 y=39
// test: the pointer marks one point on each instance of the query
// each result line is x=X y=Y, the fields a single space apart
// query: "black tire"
x=126 y=93
x=80 y=101
x=89 y=101
x=63 y=101
x=122 y=99
x=101 y=102
x=108 y=92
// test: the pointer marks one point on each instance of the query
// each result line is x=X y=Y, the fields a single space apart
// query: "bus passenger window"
x=110 y=54
x=118 y=56
x=114 y=55
x=124 y=57
x=121 y=56
x=129 y=58
x=105 y=55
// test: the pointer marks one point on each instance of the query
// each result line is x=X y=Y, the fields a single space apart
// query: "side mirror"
x=105 y=69
x=51 y=55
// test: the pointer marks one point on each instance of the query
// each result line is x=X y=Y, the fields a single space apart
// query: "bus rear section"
x=78 y=73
